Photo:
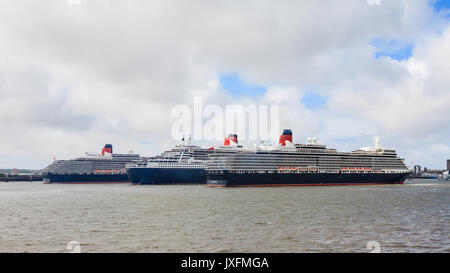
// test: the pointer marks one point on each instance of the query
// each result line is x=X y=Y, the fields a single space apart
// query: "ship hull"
x=86 y=178
x=307 y=179
x=20 y=178
x=166 y=176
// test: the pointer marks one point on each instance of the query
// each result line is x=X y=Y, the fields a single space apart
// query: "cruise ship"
x=310 y=164
x=184 y=164
x=106 y=167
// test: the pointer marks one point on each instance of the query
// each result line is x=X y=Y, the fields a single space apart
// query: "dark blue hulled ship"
x=310 y=164
x=184 y=164
x=106 y=167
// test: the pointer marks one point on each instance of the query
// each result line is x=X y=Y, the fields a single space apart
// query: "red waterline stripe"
x=165 y=184
x=112 y=182
x=323 y=184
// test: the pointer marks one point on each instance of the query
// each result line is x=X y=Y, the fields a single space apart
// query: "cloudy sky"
x=76 y=74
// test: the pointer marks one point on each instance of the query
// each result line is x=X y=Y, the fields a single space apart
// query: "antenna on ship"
x=377 y=143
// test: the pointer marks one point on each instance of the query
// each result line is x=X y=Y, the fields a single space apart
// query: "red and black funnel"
x=230 y=138
x=107 y=149
x=287 y=135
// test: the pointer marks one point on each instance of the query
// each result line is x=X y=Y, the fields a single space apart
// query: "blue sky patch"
x=237 y=87
x=393 y=49
x=440 y=5
x=313 y=100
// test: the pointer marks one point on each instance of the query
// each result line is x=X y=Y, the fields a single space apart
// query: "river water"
x=36 y=217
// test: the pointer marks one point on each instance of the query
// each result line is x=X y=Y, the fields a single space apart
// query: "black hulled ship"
x=310 y=164
x=106 y=167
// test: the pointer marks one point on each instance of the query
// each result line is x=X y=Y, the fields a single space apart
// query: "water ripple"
x=38 y=217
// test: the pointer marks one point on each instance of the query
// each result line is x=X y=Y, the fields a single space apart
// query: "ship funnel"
x=314 y=140
x=286 y=136
x=231 y=139
x=107 y=149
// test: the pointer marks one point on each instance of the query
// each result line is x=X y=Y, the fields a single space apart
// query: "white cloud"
x=73 y=77
x=441 y=148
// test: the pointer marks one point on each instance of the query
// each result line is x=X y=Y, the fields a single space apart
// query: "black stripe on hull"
x=166 y=176
x=86 y=178
x=308 y=179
